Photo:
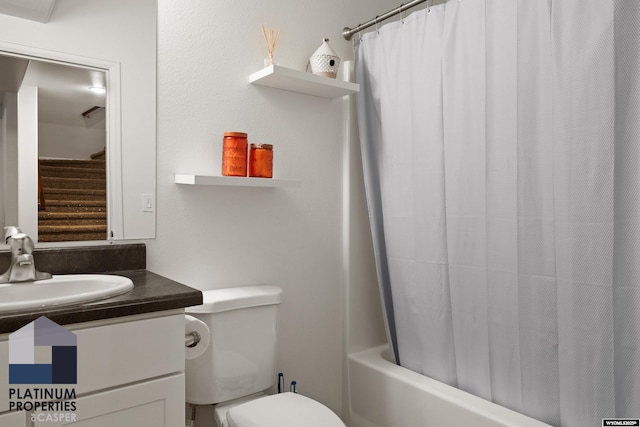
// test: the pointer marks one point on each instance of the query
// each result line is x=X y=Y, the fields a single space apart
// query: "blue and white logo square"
x=43 y=352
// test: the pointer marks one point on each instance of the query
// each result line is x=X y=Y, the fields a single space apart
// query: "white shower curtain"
x=500 y=143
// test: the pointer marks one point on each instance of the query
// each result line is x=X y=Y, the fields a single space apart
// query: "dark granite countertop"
x=151 y=292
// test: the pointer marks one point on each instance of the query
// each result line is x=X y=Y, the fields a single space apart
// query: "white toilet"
x=240 y=364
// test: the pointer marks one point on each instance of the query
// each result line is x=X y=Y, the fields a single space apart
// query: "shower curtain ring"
x=401 y=13
x=429 y=5
x=376 y=22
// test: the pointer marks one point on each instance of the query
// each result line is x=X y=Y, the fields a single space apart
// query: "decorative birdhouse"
x=324 y=61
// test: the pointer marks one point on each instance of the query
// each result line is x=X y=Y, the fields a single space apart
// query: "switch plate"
x=147 y=202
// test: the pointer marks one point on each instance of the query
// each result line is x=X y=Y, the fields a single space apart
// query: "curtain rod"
x=348 y=32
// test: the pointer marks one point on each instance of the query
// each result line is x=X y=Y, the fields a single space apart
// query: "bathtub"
x=383 y=394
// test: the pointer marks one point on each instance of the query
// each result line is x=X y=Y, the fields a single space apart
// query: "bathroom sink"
x=62 y=289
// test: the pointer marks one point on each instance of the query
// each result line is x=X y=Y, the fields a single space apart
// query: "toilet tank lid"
x=218 y=300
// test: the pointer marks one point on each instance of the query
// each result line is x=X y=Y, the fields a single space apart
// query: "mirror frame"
x=27 y=167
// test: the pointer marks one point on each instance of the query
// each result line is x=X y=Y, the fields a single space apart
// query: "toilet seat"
x=282 y=410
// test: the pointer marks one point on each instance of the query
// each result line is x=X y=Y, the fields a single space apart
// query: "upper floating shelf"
x=298 y=81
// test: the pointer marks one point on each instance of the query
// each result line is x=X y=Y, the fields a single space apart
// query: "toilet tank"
x=241 y=357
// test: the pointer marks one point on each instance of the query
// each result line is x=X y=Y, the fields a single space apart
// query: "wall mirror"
x=55 y=114
x=49 y=112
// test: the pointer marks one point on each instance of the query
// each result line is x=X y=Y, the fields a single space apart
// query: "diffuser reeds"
x=271 y=39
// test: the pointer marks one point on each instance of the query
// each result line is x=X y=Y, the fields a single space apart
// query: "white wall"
x=27 y=159
x=63 y=141
x=3 y=157
x=10 y=160
x=214 y=237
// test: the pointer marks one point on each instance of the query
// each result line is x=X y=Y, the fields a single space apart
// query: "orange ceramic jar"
x=234 y=154
x=261 y=160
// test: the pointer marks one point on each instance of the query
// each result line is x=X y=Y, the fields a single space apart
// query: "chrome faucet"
x=23 y=267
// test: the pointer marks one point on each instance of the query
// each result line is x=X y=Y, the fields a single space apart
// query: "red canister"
x=234 y=154
x=261 y=160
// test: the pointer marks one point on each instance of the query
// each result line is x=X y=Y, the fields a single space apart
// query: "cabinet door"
x=112 y=355
x=13 y=419
x=150 y=404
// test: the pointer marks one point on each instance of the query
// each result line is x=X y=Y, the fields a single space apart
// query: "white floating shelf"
x=298 y=81
x=235 y=181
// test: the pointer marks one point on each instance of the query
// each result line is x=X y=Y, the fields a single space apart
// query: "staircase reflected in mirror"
x=74 y=205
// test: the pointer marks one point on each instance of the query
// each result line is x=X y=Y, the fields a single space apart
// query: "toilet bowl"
x=240 y=364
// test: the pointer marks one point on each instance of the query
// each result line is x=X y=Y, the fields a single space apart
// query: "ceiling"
x=63 y=90
x=11 y=73
x=34 y=10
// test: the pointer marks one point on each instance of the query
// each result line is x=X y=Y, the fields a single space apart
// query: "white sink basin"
x=61 y=290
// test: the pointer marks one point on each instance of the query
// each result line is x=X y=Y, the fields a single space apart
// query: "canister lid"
x=236 y=134
x=263 y=146
x=218 y=300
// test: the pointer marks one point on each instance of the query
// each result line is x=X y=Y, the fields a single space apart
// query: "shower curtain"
x=500 y=143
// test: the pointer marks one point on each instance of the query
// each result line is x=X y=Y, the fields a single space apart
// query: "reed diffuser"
x=271 y=39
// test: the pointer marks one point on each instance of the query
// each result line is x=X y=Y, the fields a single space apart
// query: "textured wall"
x=214 y=237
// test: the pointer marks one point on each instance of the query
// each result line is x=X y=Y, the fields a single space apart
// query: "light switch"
x=147 y=202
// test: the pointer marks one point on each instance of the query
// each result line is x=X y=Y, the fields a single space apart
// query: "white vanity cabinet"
x=13 y=419
x=130 y=372
x=151 y=403
x=7 y=419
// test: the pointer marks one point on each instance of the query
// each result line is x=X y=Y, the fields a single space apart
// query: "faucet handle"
x=20 y=244
x=9 y=231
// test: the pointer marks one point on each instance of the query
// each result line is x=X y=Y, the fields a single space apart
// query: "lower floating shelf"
x=235 y=181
